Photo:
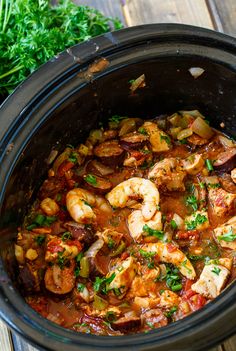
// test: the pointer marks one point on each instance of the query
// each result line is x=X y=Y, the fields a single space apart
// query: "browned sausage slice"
x=97 y=184
x=133 y=141
x=109 y=152
x=60 y=281
x=226 y=160
x=126 y=323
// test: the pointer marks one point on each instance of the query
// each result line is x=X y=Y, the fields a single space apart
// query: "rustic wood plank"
x=224 y=15
x=5 y=338
x=108 y=7
x=230 y=344
x=193 y=12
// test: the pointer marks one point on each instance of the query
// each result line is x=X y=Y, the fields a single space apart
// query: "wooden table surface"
x=214 y=14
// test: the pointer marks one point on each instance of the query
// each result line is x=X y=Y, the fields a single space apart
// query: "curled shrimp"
x=136 y=224
x=135 y=188
x=78 y=203
x=170 y=254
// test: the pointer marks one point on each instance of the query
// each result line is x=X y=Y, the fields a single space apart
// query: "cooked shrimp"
x=78 y=203
x=60 y=281
x=49 y=206
x=136 y=224
x=136 y=188
x=169 y=254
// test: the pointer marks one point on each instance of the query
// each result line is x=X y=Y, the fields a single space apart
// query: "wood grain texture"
x=193 y=12
x=223 y=12
x=107 y=7
x=5 y=338
x=230 y=344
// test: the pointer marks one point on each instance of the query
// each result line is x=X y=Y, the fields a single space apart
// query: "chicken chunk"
x=233 y=175
x=56 y=245
x=198 y=220
x=212 y=280
x=136 y=223
x=168 y=174
x=226 y=234
x=144 y=284
x=169 y=254
x=169 y=299
x=159 y=140
x=222 y=202
x=123 y=275
x=193 y=164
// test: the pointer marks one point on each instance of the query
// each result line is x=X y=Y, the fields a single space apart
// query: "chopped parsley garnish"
x=209 y=165
x=183 y=141
x=202 y=185
x=73 y=157
x=171 y=311
x=102 y=284
x=173 y=224
x=150 y=325
x=192 y=201
x=228 y=236
x=199 y=219
x=91 y=179
x=61 y=260
x=116 y=118
x=184 y=264
x=40 y=239
x=78 y=259
x=86 y=203
x=213 y=185
x=41 y=221
x=142 y=131
x=153 y=232
x=111 y=243
x=166 y=138
x=147 y=254
x=110 y=316
x=196 y=257
x=145 y=151
x=216 y=270
x=66 y=236
x=80 y=287
x=172 y=278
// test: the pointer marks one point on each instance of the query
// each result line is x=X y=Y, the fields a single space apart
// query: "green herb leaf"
x=173 y=225
x=91 y=179
x=192 y=201
x=80 y=287
x=147 y=254
x=171 y=311
x=209 y=165
x=216 y=270
x=153 y=232
x=40 y=239
x=228 y=236
x=199 y=219
x=142 y=131
x=73 y=157
x=33 y=32
x=102 y=284
x=116 y=119
x=166 y=138
x=66 y=236
x=213 y=185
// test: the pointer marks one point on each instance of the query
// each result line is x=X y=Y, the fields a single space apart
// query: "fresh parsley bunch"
x=33 y=31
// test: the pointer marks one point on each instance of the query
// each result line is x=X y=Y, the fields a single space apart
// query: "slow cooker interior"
x=169 y=87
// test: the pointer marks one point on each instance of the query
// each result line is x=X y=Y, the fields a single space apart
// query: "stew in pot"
x=135 y=228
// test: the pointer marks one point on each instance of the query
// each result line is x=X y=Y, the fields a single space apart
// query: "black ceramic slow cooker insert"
x=60 y=103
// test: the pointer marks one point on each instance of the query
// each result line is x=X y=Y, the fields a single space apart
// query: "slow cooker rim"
x=63 y=57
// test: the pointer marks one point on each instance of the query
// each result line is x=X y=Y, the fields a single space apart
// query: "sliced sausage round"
x=110 y=152
x=226 y=160
x=133 y=141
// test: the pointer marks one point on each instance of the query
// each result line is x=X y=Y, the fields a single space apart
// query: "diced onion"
x=185 y=133
x=94 y=248
x=137 y=83
x=53 y=154
x=201 y=128
x=196 y=72
x=178 y=220
x=226 y=142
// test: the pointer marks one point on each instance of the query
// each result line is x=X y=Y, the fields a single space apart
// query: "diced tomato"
x=197 y=301
x=188 y=284
x=189 y=293
x=171 y=247
x=188 y=234
x=54 y=246
x=124 y=255
x=64 y=167
x=76 y=243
